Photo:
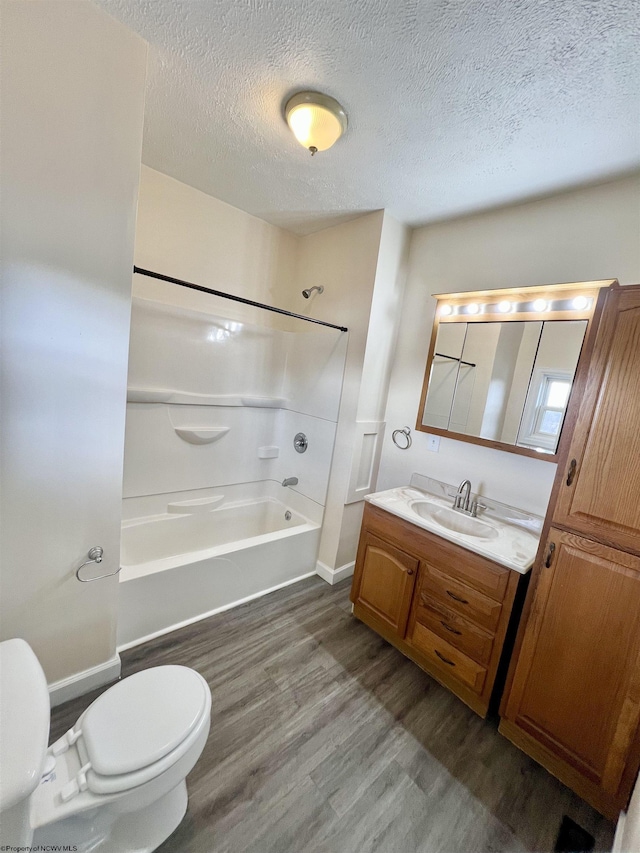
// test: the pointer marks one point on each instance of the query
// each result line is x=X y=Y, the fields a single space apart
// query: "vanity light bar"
x=537 y=306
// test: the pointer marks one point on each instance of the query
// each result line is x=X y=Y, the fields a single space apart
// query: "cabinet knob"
x=409 y=571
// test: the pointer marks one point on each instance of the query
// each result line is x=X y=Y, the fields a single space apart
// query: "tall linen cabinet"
x=573 y=695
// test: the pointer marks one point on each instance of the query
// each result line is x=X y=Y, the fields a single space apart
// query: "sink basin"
x=504 y=534
x=454 y=521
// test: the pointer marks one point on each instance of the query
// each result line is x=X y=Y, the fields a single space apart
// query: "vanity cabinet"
x=387 y=579
x=446 y=608
x=573 y=697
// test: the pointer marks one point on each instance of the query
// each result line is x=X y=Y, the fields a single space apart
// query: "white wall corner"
x=85 y=681
x=333 y=576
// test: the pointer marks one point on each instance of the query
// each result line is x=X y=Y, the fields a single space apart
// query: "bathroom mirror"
x=501 y=365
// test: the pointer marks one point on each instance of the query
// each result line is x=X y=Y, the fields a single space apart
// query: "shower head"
x=307 y=293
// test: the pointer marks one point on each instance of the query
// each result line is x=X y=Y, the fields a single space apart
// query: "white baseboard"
x=82 y=682
x=334 y=575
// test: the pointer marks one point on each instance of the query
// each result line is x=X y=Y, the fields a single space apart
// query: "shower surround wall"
x=361 y=263
x=245 y=391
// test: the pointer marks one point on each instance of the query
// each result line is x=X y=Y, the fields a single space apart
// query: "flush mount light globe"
x=317 y=121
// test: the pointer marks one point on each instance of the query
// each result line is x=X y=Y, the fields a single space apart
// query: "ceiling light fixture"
x=317 y=121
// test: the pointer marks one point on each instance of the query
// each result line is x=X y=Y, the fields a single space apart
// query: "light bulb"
x=504 y=307
x=540 y=305
x=580 y=303
x=473 y=308
x=317 y=121
x=445 y=310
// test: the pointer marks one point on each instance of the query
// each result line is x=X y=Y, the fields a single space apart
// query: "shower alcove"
x=216 y=395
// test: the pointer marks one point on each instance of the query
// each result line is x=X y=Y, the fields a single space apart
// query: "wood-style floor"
x=325 y=739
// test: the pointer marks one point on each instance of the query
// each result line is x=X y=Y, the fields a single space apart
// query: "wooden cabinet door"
x=599 y=495
x=574 y=703
x=383 y=582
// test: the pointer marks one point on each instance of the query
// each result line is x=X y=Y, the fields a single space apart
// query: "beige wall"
x=72 y=107
x=587 y=234
x=382 y=334
x=344 y=260
x=185 y=233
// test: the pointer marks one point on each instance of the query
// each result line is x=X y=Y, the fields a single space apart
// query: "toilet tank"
x=24 y=734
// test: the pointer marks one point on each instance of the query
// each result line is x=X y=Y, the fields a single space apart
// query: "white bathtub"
x=178 y=568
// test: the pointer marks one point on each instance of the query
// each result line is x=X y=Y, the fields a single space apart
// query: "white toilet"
x=116 y=780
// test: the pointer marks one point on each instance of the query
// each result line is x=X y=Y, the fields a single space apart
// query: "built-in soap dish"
x=270 y=451
x=201 y=435
x=196 y=505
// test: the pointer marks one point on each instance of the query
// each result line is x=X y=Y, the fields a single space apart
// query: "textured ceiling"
x=454 y=105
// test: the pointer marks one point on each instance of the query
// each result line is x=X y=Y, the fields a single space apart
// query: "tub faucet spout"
x=290 y=481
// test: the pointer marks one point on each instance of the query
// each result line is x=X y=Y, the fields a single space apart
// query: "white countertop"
x=511 y=540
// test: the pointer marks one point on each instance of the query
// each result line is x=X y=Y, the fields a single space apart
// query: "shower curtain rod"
x=453 y=358
x=244 y=301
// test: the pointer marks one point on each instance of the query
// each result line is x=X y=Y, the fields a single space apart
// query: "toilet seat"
x=136 y=730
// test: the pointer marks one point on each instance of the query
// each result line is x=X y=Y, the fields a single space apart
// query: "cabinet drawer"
x=447 y=658
x=461 y=598
x=470 y=568
x=453 y=628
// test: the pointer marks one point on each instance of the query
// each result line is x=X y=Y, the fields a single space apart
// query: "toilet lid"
x=142 y=718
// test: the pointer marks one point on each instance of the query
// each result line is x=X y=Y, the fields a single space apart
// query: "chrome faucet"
x=463 y=502
x=462 y=497
x=290 y=481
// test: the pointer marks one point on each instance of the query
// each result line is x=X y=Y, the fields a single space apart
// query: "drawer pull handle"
x=457 y=597
x=549 y=560
x=444 y=659
x=571 y=473
x=449 y=628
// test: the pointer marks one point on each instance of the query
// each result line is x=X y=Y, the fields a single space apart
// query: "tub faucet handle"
x=290 y=481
